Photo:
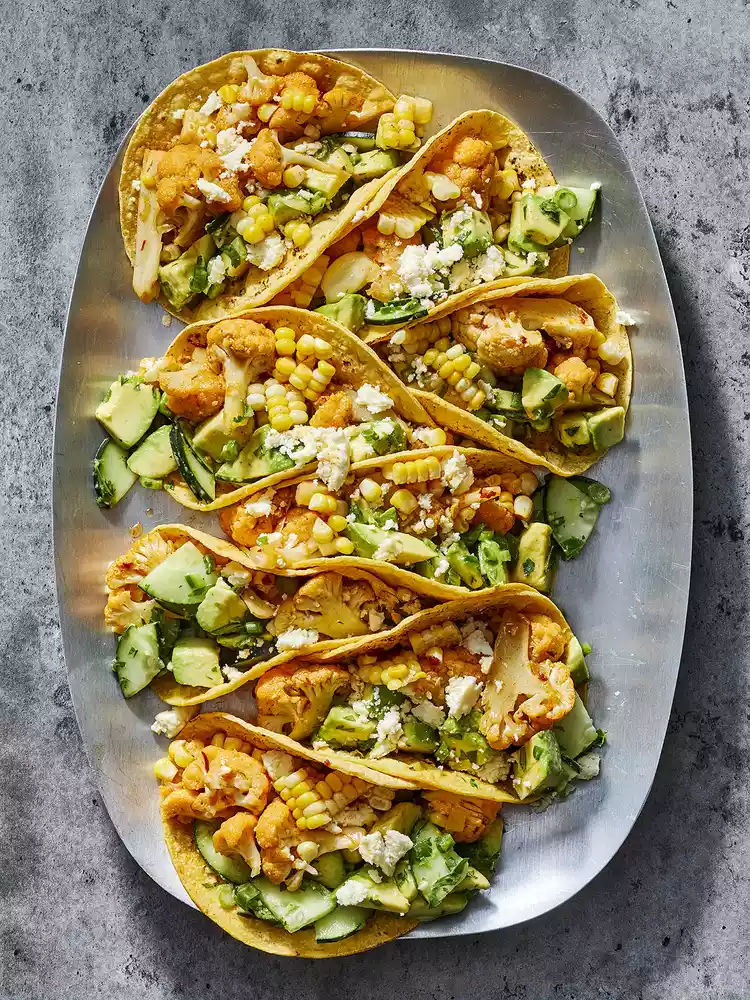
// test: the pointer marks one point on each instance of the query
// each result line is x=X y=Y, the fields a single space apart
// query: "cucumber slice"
x=576 y=732
x=199 y=478
x=454 y=902
x=127 y=410
x=571 y=513
x=396 y=311
x=247 y=898
x=182 y=581
x=112 y=477
x=438 y=869
x=340 y=923
x=298 y=909
x=235 y=870
x=137 y=660
x=331 y=870
x=364 y=141
x=153 y=458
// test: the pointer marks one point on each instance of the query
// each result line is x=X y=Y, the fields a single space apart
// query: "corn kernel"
x=305 y=345
x=301 y=235
x=305 y=492
x=308 y=850
x=323 y=351
x=179 y=753
x=232 y=743
x=294 y=176
x=282 y=422
x=321 y=532
x=326 y=369
x=371 y=490
x=266 y=112
x=611 y=352
x=344 y=546
x=523 y=507
x=337 y=522
x=148 y=181
x=322 y=503
x=529 y=483
x=607 y=383
x=164 y=769
x=229 y=93
x=432 y=437
x=250 y=231
x=250 y=202
x=404 y=501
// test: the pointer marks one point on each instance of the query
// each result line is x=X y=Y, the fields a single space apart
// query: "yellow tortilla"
x=586 y=291
x=200 y=880
x=355 y=363
x=157 y=129
x=523 y=156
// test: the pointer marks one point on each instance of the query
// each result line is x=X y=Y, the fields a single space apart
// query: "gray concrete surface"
x=670 y=917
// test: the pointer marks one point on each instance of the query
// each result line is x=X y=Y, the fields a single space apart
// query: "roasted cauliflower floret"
x=242 y=526
x=460 y=662
x=500 y=339
x=295 y=699
x=567 y=324
x=332 y=410
x=122 y=611
x=216 y=782
x=576 y=375
x=521 y=696
x=465 y=819
x=143 y=555
x=298 y=525
x=330 y=605
x=495 y=515
x=178 y=172
x=304 y=93
x=470 y=163
x=247 y=340
x=347 y=244
x=276 y=834
x=547 y=640
x=385 y=250
x=266 y=158
x=236 y=836
x=195 y=391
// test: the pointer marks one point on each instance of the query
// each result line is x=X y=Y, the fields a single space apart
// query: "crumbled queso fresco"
x=296 y=638
x=172 y=721
x=351 y=893
x=373 y=400
x=457 y=473
x=384 y=851
x=461 y=695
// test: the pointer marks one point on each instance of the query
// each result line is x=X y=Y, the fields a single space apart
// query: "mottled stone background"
x=669 y=918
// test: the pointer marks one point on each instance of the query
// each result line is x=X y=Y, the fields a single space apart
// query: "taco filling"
x=191 y=620
x=531 y=367
x=489 y=696
x=242 y=172
x=260 y=835
x=251 y=398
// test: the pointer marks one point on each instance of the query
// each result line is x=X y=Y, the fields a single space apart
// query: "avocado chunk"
x=388 y=546
x=607 y=427
x=571 y=513
x=576 y=732
x=575 y=661
x=536 y=223
x=182 y=581
x=384 y=437
x=572 y=430
x=533 y=564
x=542 y=393
x=220 y=608
x=474 y=881
x=384 y=895
x=293 y=204
x=538 y=765
x=507 y=403
x=461 y=743
x=469 y=228
x=153 y=458
x=453 y=903
x=349 y=311
x=255 y=461
x=211 y=437
x=195 y=661
x=178 y=279
x=343 y=727
x=375 y=163
x=438 y=869
x=137 y=661
x=234 y=256
x=403 y=876
x=324 y=182
x=465 y=564
x=519 y=264
x=402 y=818
x=233 y=869
x=127 y=410
x=484 y=854
x=418 y=737
x=493 y=561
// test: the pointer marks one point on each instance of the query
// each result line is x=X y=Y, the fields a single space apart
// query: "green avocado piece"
x=453 y=903
x=576 y=732
x=572 y=430
x=542 y=393
x=507 y=403
x=469 y=228
x=533 y=560
x=474 y=880
x=384 y=436
x=127 y=410
x=384 y=895
x=221 y=607
x=484 y=854
x=538 y=765
x=349 y=311
x=536 y=223
x=211 y=436
x=576 y=662
x=324 y=182
x=255 y=461
x=402 y=818
x=343 y=727
x=465 y=564
x=178 y=278
x=153 y=458
x=195 y=661
x=182 y=581
x=374 y=164
x=607 y=427
x=295 y=203
x=418 y=737
x=403 y=876
x=395 y=546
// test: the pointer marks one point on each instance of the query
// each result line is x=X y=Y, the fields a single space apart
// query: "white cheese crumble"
x=420 y=268
x=373 y=400
x=136 y=185
x=624 y=318
x=237 y=575
x=232 y=673
x=461 y=694
x=428 y=713
x=442 y=568
x=351 y=893
x=212 y=191
x=277 y=763
x=375 y=620
x=173 y=721
x=258 y=508
x=476 y=642
x=296 y=638
x=217 y=270
x=388 y=550
x=268 y=253
x=179 y=114
x=529 y=184
x=384 y=850
x=457 y=473
x=212 y=103
x=232 y=149
x=388 y=733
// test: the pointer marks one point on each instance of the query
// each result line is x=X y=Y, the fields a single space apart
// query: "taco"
x=195 y=621
x=540 y=371
x=253 y=400
x=293 y=856
x=450 y=518
x=476 y=698
x=243 y=170
x=478 y=204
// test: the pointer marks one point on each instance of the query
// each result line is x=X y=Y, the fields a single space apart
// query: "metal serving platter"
x=626 y=595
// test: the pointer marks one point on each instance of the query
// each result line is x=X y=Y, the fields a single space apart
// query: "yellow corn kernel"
x=431 y=437
x=501 y=232
x=148 y=181
x=306 y=799
x=321 y=532
x=286 y=349
x=266 y=112
x=474 y=398
x=285 y=366
x=611 y=352
x=282 y=422
x=294 y=176
x=445 y=634
x=179 y=753
x=313 y=822
x=305 y=492
x=217 y=740
x=523 y=507
x=229 y=93
x=305 y=345
x=607 y=383
x=370 y=490
x=250 y=231
x=326 y=369
x=294 y=99
x=430 y=357
x=322 y=503
x=419 y=471
x=250 y=202
x=472 y=371
x=299 y=233
x=256 y=397
x=528 y=483
x=344 y=546
x=164 y=769
x=232 y=743
x=404 y=501
x=323 y=350
x=308 y=850
x=337 y=523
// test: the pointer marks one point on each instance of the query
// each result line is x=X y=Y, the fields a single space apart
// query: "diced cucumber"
x=234 y=870
x=247 y=899
x=395 y=311
x=453 y=903
x=331 y=870
x=575 y=661
x=403 y=876
x=199 y=478
x=127 y=410
x=364 y=141
x=112 y=477
x=340 y=923
x=571 y=513
x=137 y=661
x=438 y=869
x=298 y=909
x=151 y=484
x=153 y=458
x=181 y=582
